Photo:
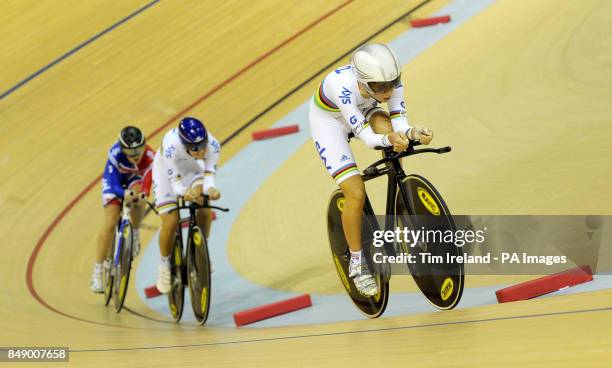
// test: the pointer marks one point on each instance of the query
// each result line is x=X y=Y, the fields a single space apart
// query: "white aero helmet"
x=377 y=67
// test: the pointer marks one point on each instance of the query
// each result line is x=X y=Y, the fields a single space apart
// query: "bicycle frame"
x=195 y=265
x=433 y=286
x=192 y=207
x=181 y=205
x=395 y=174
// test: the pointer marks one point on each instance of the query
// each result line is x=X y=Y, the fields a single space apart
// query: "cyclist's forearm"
x=372 y=139
x=178 y=188
x=209 y=181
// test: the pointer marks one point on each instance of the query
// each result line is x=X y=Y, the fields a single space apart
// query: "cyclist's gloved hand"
x=213 y=193
x=398 y=140
x=421 y=134
x=191 y=195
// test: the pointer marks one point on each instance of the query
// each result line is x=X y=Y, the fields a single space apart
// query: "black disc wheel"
x=423 y=209
x=122 y=276
x=198 y=270
x=176 y=296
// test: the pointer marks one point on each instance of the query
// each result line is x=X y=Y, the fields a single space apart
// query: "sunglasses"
x=195 y=147
x=381 y=87
x=133 y=152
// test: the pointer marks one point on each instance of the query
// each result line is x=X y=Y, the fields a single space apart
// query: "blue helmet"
x=193 y=134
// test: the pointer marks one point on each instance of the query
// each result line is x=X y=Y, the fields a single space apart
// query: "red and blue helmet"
x=193 y=134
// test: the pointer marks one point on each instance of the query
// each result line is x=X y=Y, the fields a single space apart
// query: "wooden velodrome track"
x=522 y=91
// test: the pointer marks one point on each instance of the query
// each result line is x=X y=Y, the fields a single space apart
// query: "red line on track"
x=249 y=66
x=64 y=212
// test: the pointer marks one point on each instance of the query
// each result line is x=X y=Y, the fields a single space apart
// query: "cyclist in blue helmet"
x=194 y=136
x=184 y=165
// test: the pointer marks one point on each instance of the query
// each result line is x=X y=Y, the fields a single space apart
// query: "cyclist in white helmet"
x=346 y=101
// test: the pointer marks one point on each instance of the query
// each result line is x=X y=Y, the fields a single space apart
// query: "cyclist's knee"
x=169 y=220
x=204 y=213
x=354 y=189
x=111 y=217
x=357 y=196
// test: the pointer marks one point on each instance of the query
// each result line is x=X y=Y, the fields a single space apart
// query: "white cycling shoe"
x=163 y=280
x=96 y=282
x=363 y=279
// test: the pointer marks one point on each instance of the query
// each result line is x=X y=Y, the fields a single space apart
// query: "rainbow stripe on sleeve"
x=323 y=102
x=396 y=114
